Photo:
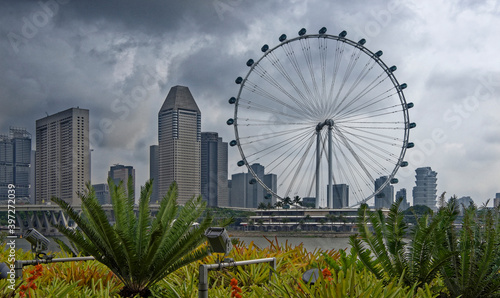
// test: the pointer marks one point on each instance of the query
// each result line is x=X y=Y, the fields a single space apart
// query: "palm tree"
x=474 y=269
x=416 y=262
x=140 y=250
x=297 y=201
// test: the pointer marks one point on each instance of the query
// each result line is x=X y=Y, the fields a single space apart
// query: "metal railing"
x=204 y=268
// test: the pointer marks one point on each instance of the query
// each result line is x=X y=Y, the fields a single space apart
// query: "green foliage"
x=140 y=250
x=385 y=252
x=474 y=270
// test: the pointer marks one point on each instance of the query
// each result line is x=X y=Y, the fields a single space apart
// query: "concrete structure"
x=153 y=172
x=102 y=193
x=62 y=156
x=496 y=201
x=246 y=192
x=15 y=164
x=123 y=173
x=214 y=170
x=402 y=194
x=179 y=144
x=385 y=197
x=424 y=193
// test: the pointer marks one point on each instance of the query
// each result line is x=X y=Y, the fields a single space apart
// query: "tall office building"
x=123 y=173
x=463 y=203
x=385 y=197
x=62 y=156
x=496 y=201
x=425 y=189
x=179 y=144
x=214 y=170
x=153 y=173
x=246 y=192
x=102 y=193
x=404 y=203
x=15 y=164
x=340 y=197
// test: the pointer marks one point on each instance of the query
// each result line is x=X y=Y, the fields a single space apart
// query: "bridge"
x=43 y=217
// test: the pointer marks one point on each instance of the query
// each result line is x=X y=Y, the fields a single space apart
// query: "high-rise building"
x=340 y=196
x=425 y=189
x=123 y=173
x=246 y=192
x=496 y=201
x=179 y=144
x=15 y=164
x=463 y=203
x=214 y=170
x=385 y=197
x=102 y=193
x=401 y=194
x=153 y=173
x=62 y=156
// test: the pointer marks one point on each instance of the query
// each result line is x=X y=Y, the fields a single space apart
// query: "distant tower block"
x=179 y=144
x=424 y=193
x=62 y=156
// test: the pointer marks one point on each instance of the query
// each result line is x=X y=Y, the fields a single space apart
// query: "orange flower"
x=326 y=273
x=235 y=290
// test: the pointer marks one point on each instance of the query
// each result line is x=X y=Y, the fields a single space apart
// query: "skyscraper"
x=246 y=192
x=179 y=144
x=102 y=193
x=425 y=189
x=153 y=172
x=214 y=170
x=123 y=173
x=496 y=201
x=404 y=203
x=15 y=163
x=385 y=197
x=62 y=155
x=340 y=196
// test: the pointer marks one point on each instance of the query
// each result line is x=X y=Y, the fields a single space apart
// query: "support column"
x=318 y=161
x=330 y=165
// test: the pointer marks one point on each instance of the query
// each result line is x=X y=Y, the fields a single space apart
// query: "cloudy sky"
x=120 y=58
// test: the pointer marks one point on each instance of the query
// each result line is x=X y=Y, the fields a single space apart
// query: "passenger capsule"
x=413 y=125
x=379 y=53
x=241 y=163
x=403 y=86
x=282 y=37
x=238 y=80
x=394 y=180
x=230 y=121
x=322 y=30
x=393 y=68
x=362 y=41
x=409 y=105
x=343 y=34
x=252 y=181
x=302 y=31
x=232 y=100
x=233 y=143
x=264 y=48
x=268 y=196
x=410 y=145
x=404 y=164
x=250 y=62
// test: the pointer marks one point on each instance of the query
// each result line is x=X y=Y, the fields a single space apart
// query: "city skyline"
x=121 y=67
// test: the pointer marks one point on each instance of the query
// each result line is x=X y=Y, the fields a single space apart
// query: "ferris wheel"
x=321 y=111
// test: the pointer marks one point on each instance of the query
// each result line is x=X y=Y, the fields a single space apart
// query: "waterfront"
x=310 y=242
